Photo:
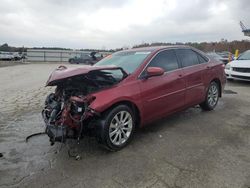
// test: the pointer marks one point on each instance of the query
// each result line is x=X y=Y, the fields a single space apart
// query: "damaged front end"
x=67 y=113
x=64 y=117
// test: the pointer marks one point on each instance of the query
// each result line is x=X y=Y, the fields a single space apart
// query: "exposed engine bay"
x=66 y=112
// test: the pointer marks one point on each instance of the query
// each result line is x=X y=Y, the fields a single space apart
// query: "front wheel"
x=212 y=97
x=118 y=128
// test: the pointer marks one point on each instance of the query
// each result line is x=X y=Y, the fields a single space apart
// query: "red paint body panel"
x=195 y=86
x=162 y=95
x=124 y=91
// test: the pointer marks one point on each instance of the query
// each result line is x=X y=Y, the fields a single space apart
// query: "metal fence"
x=35 y=55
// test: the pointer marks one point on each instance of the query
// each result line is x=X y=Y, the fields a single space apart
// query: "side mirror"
x=154 y=71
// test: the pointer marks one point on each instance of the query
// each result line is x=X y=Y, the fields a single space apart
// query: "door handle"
x=180 y=75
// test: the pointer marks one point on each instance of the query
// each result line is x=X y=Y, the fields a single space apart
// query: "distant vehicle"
x=219 y=56
x=88 y=59
x=17 y=56
x=6 y=56
x=226 y=55
x=239 y=69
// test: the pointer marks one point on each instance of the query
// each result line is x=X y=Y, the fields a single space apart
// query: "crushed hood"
x=62 y=72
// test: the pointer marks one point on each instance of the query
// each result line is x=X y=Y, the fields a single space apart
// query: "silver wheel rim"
x=212 y=95
x=120 y=128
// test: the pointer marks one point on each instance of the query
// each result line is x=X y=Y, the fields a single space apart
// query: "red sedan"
x=129 y=89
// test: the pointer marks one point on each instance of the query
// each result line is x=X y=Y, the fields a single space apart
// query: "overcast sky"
x=115 y=23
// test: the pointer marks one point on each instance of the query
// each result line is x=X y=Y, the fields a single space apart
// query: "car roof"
x=157 y=48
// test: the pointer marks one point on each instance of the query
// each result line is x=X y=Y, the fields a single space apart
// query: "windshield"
x=244 y=56
x=127 y=60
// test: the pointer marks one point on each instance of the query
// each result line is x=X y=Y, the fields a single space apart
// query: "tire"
x=113 y=134
x=212 y=97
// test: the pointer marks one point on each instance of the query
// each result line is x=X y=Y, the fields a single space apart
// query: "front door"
x=163 y=94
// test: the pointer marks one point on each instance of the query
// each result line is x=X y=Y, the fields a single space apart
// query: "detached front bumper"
x=237 y=75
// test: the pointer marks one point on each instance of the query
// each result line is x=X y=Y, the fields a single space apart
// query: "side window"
x=187 y=57
x=201 y=58
x=166 y=60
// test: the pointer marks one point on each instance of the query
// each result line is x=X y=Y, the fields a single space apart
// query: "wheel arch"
x=133 y=107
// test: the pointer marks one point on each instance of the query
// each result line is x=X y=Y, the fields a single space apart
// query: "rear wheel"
x=118 y=128
x=212 y=97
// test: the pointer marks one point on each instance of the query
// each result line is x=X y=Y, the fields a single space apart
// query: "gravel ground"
x=189 y=149
x=11 y=63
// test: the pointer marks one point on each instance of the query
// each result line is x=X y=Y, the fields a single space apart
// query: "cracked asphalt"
x=189 y=149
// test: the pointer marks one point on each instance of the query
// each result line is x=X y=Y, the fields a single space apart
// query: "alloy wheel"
x=213 y=95
x=120 y=128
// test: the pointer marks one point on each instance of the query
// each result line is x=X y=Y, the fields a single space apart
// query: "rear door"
x=193 y=74
x=163 y=94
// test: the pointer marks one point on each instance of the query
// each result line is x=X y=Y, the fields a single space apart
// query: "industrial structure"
x=244 y=29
